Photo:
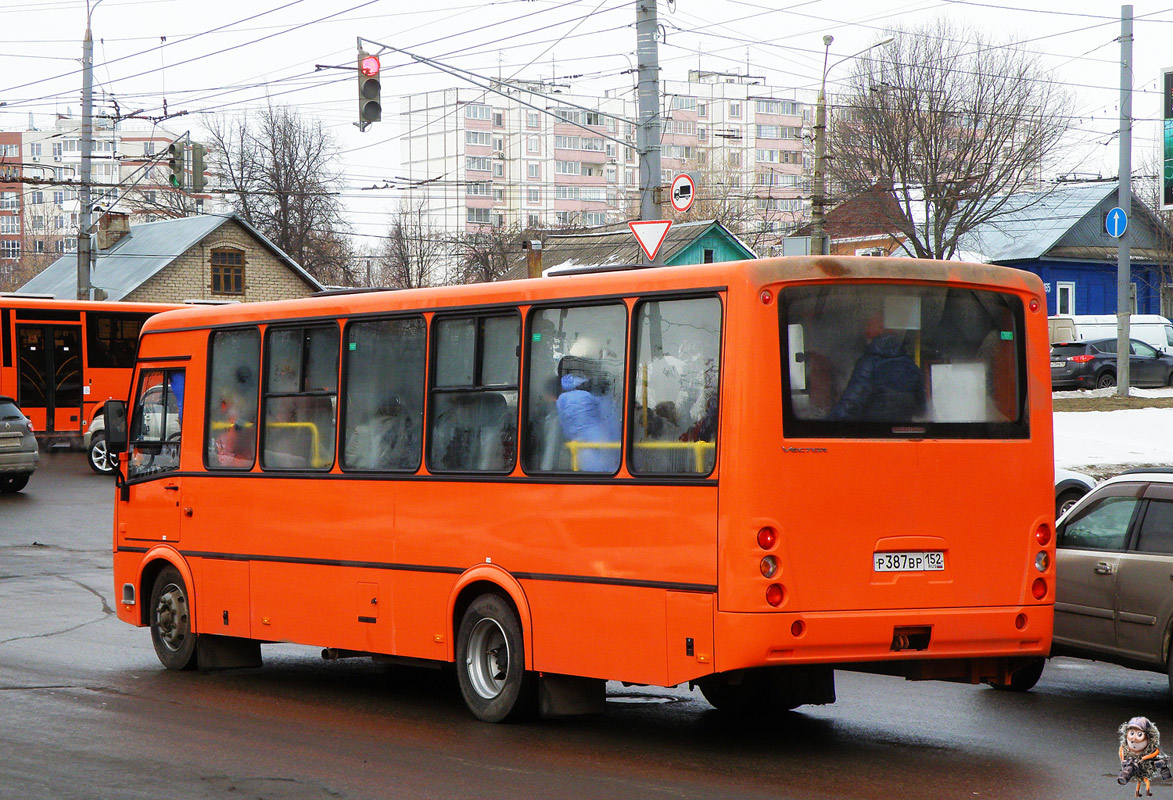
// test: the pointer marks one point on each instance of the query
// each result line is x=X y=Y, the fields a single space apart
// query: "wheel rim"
x=488 y=658
x=100 y=456
x=171 y=618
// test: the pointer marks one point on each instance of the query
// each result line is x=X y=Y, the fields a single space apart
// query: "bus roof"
x=34 y=301
x=721 y=275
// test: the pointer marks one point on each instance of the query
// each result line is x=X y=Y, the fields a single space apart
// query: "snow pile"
x=1104 y=443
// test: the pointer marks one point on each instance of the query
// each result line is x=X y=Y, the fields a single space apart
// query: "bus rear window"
x=902 y=361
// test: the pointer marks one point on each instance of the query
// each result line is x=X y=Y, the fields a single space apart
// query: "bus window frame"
x=626 y=301
x=344 y=384
x=208 y=371
x=305 y=324
x=632 y=378
x=478 y=314
x=795 y=428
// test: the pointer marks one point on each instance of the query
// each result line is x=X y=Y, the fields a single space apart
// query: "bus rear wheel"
x=490 y=662
x=171 y=631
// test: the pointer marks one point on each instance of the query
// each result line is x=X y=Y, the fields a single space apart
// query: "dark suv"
x=19 y=453
x=1092 y=365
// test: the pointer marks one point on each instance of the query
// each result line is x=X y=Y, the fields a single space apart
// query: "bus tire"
x=1024 y=678
x=100 y=459
x=490 y=662
x=171 y=631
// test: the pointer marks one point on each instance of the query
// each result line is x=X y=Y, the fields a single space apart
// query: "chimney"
x=111 y=228
x=533 y=257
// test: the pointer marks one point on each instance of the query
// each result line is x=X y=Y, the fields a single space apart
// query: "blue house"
x=1061 y=236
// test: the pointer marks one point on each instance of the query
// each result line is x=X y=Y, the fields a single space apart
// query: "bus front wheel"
x=171 y=632
x=490 y=662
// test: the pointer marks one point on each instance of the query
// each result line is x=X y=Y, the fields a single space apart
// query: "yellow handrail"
x=316 y=459
x=698 y=448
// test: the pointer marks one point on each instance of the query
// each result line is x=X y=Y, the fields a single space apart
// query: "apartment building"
x=40 y=205
x=480 y=159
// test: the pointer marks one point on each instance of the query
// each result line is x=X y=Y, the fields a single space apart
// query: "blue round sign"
x=1116 y=222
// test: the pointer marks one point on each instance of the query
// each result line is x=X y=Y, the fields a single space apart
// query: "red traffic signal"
x=369 y=66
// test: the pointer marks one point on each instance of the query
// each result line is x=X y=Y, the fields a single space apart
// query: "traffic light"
x=198 y=155
x=369 y=90
x=175 y=164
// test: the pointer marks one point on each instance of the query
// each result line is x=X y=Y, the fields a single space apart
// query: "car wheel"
x=1170 y=381
x=490 y=662
x=171 y=631
x=1066 y=500
x=101 y=460
x=1105 y=380
x=13 y=483
x=1024 y=678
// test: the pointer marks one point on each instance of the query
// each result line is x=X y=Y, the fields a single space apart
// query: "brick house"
x=209 y=257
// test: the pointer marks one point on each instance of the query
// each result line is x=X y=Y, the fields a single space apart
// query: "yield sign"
x=650 y=234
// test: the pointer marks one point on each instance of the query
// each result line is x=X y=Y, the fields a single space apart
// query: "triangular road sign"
x=650 y=234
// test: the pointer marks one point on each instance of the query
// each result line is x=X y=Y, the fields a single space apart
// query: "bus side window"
x=383 y=409
x=231 y=436
x=473 y=422
x=156 y=423
x=300 y=397
x=574 y=389
x=677 y=371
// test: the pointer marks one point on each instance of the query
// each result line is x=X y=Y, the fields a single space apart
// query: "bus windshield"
x=900 y=360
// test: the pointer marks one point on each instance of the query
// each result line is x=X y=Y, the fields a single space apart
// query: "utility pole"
x=647 y=136
x=1124 y=196
x=87 y=149
x=819 y=183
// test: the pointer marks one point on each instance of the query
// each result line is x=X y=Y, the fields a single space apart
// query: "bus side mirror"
x=115 y=414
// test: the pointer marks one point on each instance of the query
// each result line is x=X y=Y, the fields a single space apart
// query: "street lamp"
x=819 y=189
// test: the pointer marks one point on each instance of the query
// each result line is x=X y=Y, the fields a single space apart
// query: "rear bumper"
x=1074 y=382
x=847 y=637
x=19 y=463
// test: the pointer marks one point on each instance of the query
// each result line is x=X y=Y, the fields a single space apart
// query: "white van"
x=1149 y=328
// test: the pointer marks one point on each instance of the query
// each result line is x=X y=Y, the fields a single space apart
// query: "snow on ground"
x=1103 y=443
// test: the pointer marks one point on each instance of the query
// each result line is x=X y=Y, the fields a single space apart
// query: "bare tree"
x=486 y=255
x=414 y=253
x=952 y=124
x=281 y=170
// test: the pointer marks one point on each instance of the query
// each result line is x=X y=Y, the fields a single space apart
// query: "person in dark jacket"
x=886 y=384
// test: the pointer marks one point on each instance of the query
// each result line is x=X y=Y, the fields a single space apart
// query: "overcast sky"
x=213 y=57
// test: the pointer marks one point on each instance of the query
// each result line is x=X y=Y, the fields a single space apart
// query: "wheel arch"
x=155 y=561
x=489 y=579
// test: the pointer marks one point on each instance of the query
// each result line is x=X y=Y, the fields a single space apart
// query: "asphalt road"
x=86 y=711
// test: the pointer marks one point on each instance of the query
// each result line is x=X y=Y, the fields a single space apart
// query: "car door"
x=1147 y=369
x=1088 y=550
x=1144 y=581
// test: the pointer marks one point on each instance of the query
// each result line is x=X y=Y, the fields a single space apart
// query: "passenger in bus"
x=235 y=446
x=886 y=385
x=385 y=441
x=589 y=417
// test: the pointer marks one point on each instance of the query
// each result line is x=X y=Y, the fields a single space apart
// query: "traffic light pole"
x=87 y=148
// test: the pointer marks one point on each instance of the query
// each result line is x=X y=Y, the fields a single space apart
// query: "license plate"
x=910 y=561
x=1058 y=364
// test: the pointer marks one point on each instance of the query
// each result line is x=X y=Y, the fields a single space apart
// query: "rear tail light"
x=1043 y=535
x=767 y=538
x=31 y=428
x=1081 y=359
x=1042 y=561
x=797 y=628
x=775 y=594
x=1039 y=589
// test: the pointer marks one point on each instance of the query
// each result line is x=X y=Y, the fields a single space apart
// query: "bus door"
x=49 y=376
x=152 y=461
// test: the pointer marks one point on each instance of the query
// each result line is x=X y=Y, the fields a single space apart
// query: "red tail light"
x=1043 y=535
x=774 y=594
x=1039 y=588
x=767 y=538
x=1081 y=359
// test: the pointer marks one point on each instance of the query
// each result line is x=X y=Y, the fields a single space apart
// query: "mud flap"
x=227 y=652
x=566 y=696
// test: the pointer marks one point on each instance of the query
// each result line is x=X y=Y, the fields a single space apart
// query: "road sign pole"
x=1124 y=193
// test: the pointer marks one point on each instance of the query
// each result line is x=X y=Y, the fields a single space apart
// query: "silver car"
x=18 y=447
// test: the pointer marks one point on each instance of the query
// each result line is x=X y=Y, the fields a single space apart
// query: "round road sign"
x=683 y=193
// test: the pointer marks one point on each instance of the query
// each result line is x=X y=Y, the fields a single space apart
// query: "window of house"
x=383 y=407
x=472 y=426
x=532 y=145
x=300 y=397
x=1065 y=297
x=533 y=170
x=498 y=169
x=533 y=220
x=702 y=109
x=735 y=109
x=478 y=138
x=533 y=119
x=498 y=119
x=227 y=271
x=476 y=111
x=533 y=196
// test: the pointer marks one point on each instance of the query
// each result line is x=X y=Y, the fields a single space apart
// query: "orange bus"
x=62 y=359
x=656 y=476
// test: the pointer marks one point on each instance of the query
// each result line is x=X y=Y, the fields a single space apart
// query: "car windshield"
x=9 y=411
